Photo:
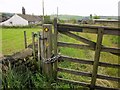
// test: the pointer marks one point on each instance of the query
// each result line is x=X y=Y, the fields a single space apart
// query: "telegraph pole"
x=57 y=12
x=43 y=11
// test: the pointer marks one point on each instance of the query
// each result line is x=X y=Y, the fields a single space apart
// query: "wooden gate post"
x=46 y=49
x=33 y=43
x=55 y=47
x=39 y=53
x=119 y=68
x=97 y=57
x=119 y=47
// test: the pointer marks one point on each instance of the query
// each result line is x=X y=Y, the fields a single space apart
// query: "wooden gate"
x=97 y=46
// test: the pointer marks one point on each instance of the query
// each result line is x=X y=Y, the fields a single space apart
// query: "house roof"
x=1 y=19
x=30 y=18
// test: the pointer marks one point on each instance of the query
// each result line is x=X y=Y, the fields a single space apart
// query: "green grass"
x=21 y=78
x=13 y=39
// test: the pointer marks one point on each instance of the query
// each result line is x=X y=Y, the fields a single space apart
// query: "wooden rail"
x=81 y=46
x=88 y=29
x=84 y=84
x=90 y=62
x=87 y=74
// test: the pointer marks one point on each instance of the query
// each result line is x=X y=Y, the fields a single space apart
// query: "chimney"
x=23 y=10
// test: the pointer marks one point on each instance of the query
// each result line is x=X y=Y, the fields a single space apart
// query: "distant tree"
x=91 y=16
x=109 y=18
x=47 y=20
x=61 y=21
x=96 y=17
x=5 y=16
x=73 y=20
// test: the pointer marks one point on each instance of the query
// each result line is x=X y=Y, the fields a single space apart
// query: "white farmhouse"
x=21 y=20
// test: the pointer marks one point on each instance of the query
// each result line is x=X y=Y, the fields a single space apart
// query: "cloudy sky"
x=72 y=7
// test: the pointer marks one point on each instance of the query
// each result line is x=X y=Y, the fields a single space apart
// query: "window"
x=10 y=22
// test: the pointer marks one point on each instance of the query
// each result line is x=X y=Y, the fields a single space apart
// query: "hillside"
x=69 y=17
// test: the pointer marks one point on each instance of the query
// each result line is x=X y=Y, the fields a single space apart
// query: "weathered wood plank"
x=42 y=50
x=55 y=47
x=115 y=51
x=33 y=43
x=105 y=88
x=97 y=57
x=108 y=77
x=90 y=62
x=87 y=74
x=74 y=72
x=84 y=84
x=88 y=29
x=73 y=82
x=77 y=46
x=47 y=30
x=39 y=53
x=103 y=64
x=88 y=26
x=119 y=70
x=111 y=50
x=112 y=31
x=79 y=38
x=76 y=60
x=49 y=39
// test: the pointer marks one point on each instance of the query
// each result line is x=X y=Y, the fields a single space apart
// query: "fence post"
x=39 y=53
x=97 y=57
x=33 y=43
x=118 y=67
x=25 y=39
x=119 y=46
x=46 y=49
x=42 y=50
x=55 y=47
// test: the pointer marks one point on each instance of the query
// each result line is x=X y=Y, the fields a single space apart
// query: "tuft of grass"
x=21 y=78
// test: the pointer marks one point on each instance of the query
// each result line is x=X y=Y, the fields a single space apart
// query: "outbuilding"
x=21 y=20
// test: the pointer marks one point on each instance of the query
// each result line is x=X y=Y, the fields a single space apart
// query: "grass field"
x=13 y=41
